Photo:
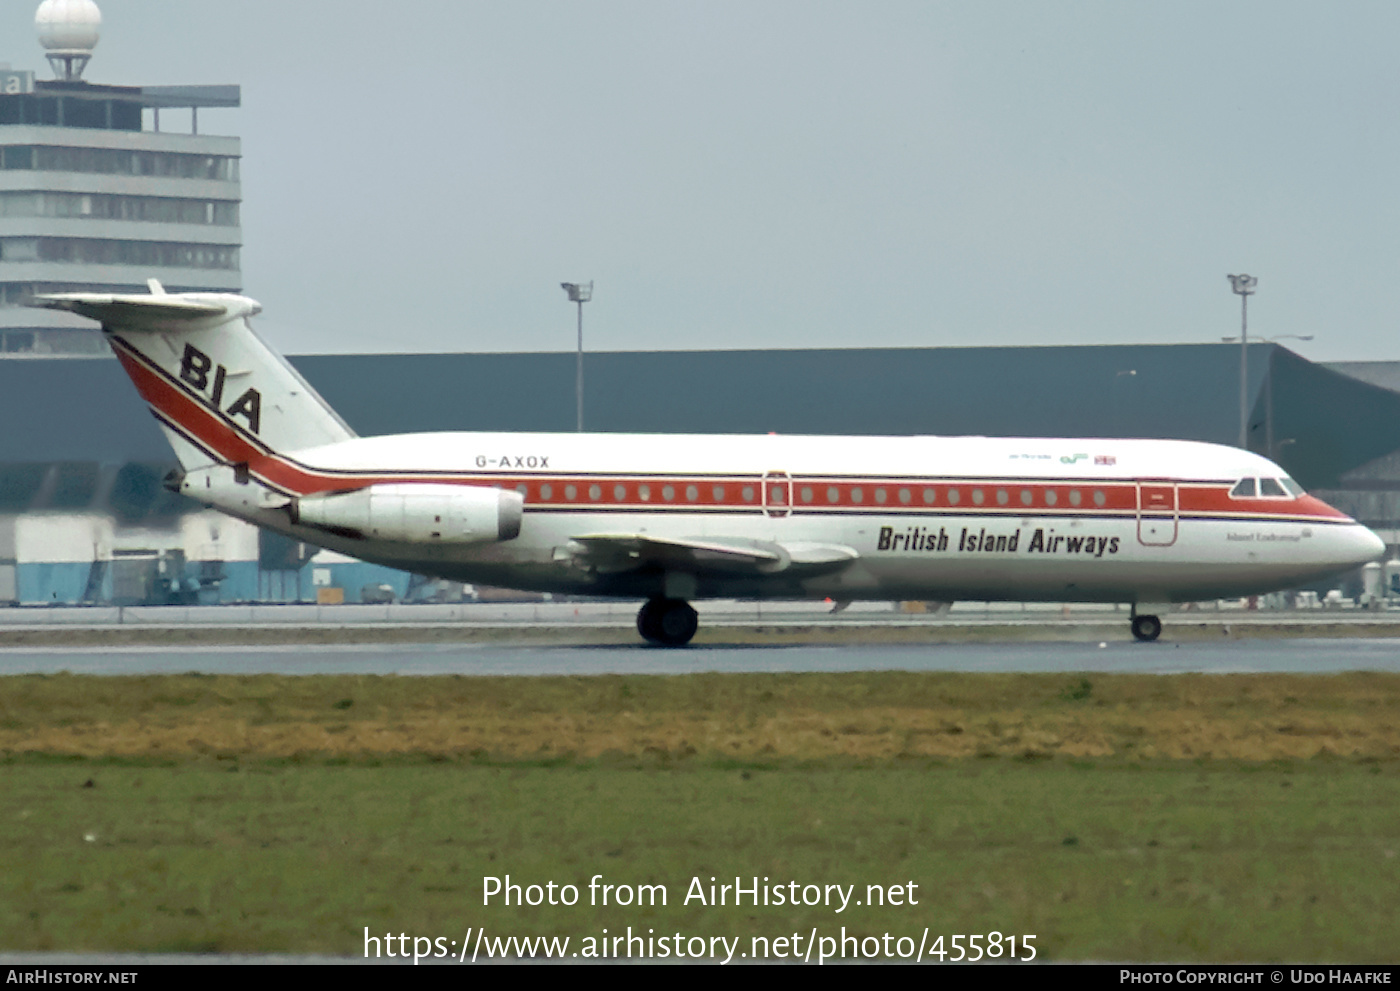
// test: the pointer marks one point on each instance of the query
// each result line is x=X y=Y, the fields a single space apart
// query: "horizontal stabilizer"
x=130 y=310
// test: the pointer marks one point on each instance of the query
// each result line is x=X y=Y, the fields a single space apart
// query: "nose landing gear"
x=667 y=622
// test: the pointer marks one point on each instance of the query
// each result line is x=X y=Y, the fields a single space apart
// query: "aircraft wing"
x=616 y=552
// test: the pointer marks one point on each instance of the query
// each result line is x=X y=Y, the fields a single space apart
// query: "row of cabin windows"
x=570 y=493
x=807 y=494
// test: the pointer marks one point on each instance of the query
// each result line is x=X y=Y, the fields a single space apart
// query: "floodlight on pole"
x=579 y=293
x=1243 y=286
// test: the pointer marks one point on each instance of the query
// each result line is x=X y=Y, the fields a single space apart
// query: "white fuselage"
x=937 y=518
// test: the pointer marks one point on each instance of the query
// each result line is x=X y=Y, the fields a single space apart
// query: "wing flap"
x=614 y=552
x=629 y=551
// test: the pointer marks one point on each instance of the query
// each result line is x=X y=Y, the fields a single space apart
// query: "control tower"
x=95 y=196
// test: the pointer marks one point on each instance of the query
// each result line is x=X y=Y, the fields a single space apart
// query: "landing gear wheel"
x=668 y=622
x=1147 y=628
x=646 y=620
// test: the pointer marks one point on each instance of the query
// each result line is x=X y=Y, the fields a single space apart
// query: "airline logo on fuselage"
x=195 y=367
x=917 y=538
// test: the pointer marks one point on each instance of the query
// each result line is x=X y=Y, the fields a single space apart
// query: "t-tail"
x=224 y=398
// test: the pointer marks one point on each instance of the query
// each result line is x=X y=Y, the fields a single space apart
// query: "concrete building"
x=94 y=195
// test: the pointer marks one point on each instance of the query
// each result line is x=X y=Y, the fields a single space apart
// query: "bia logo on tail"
x=194 y=371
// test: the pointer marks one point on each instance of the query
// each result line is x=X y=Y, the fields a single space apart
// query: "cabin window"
x=905 y=496
x=523 y=489
x=1051 y=497
x=595 y=492
x=930 y=495
x=1002 y=497
x=1099 y=497
x=857 y=495
x=806 y=493
x=718 y=493
x=644 y=493
x=1271 y=487
x=692 y=493
x=978 y=497
x=620 y=492
x=748 y=493
x=546 y=491
x=1074 y=497
x=570 y=493
x=880 y=496
x=1026 y=497
x=1244 y=489
x=668 y=492
x=953 y=497
x=833 y=494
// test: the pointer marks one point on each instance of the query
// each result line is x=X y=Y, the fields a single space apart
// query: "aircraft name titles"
x=1265 y=537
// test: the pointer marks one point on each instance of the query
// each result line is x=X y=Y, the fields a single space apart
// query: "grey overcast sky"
x=795 y=173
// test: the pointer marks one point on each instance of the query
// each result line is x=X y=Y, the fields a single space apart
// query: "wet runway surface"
x=1227 y=656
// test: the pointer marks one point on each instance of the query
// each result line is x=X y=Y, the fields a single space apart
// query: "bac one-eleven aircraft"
x=670 y=518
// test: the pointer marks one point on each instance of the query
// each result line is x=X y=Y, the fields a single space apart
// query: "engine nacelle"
x=422 y=513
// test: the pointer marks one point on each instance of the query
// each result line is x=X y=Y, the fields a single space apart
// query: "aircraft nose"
x=1374 y=545
x=1358 y=545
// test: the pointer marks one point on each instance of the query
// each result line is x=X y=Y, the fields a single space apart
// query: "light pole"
x=1243 y=286
x=579 y=293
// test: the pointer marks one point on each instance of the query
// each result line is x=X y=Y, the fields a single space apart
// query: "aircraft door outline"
x=777 y=493
x=1158 y=513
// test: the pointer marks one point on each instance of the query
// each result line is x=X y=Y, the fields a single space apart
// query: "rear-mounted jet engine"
x=450 y=514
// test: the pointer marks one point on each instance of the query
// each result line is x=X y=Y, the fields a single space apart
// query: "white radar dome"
x=68 y=25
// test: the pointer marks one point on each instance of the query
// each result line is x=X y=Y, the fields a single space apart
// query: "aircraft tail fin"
x=221 y=394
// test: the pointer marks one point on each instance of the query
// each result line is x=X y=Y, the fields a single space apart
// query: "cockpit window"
x=1294 y=489
x=1270 y=487
x=1244 y=489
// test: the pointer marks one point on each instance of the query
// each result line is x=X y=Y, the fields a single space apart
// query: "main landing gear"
x=1147 y=628
x=667 y=622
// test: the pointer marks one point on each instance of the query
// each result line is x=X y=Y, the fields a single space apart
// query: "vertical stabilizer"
x=220 y=393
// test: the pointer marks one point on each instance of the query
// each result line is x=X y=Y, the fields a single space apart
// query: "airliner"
x=670 y=519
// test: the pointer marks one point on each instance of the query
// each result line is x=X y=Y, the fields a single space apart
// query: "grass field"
x=1115 y=817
